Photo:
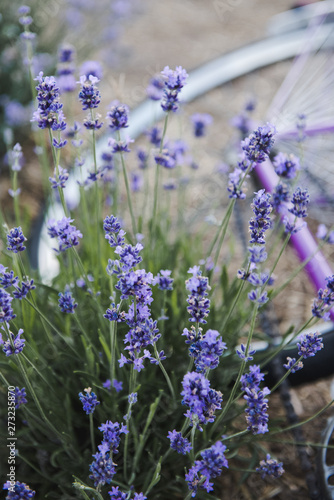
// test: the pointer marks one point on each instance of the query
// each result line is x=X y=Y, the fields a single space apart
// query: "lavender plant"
x=105 y=346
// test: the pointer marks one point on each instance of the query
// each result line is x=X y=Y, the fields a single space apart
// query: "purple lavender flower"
x=91 y=68
x=163 y=280
x=141 y=335
x=65 y=68
x=6 y=311
x=15 y=240
x=66 y=234
x=89 y=94
x=201 y=400
x=139 y=496
x=200 y=121
x=242 y=353
x=324 y=300
x=260 y=279
x=8 y=279
x=309 y=344
x=213 y=460
x=258 y=144
x=118 y=116
x=243 y=123
x=66 y=53
x=252 y=379
x=257 y=253
x=136 y=182
x=259 y=224
x=206 y=350
x=66 y=302
x=132 y=398
x=174 y=81
x=49 y=113
x=22 y=291
x=114 y=314
x=116 y=494
x=258 y=296
x=23 y=10
x=129 y=255
x=292 y=226
x=20 y=397
x=270 y=467
x=114 y=233
x=102 y=468
x=142 y=156
x=286 y=165
x=256 y=411
x=243 y=162
x=13 y=346
x=300 y=200
x=120 y=146
x=234 y=180
x=281 y=194
x=16 y=158
x=18 y=491
x=155 y=89
x=58 y=144
x=290 y=365
x=111 y=434
x=165 y=158
x=59 y=178
x=154 y=135
x=198 y=303
x=88 y=400
x=178 y=443
x=92 y=123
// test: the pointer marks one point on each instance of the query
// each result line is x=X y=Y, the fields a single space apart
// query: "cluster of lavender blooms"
x=200 y=474
x=103 y=467
x=309 y=344
x=257 y=404
x=134 y=284
x=258 y=225
x=64 y=232
x=324 y=301
x=89 y=401
x=293 y=208
x=18 y=490
x=255 y=149
x=270 y=467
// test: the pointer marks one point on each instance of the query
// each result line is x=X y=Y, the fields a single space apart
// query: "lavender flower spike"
x=258 y=145
x=270 y=467
x=89 y=400
x=15 y=240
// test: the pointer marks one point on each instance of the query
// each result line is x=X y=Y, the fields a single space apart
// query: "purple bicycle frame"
x=303 y=242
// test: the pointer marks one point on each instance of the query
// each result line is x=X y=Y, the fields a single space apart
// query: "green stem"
x=91 y=429
x=112 y=349
x=169 y=383
x=286 y=429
